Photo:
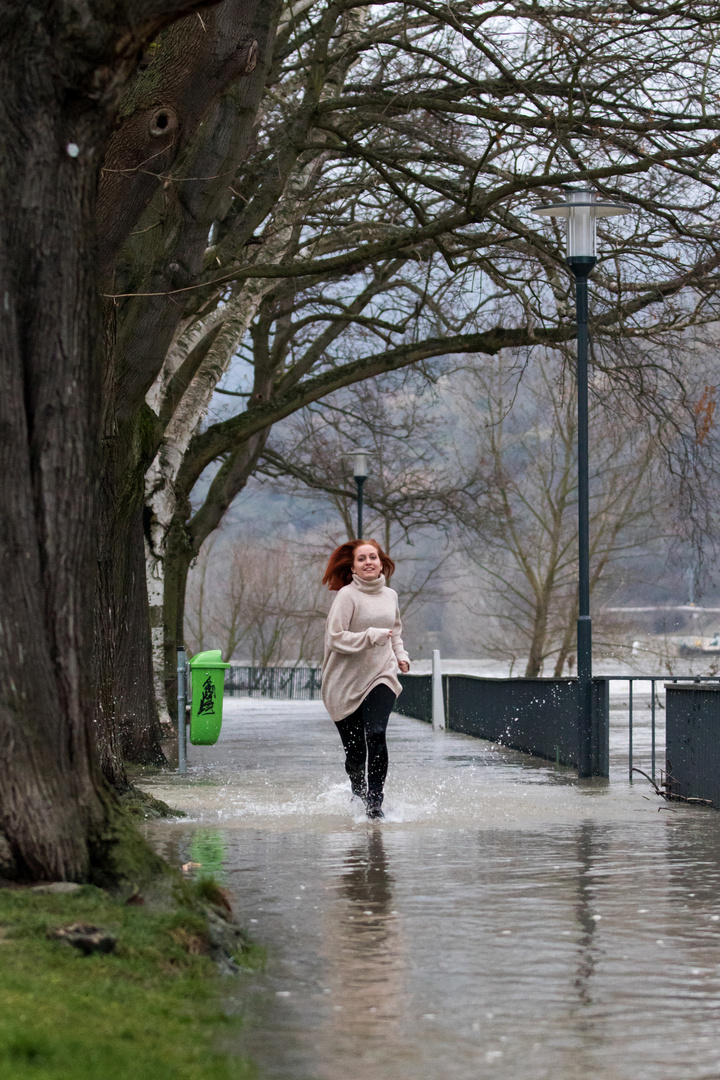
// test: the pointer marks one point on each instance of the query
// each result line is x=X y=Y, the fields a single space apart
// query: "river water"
x=504 y=920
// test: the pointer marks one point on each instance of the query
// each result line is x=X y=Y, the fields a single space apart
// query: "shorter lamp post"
x=581 y=210
x=360 y=472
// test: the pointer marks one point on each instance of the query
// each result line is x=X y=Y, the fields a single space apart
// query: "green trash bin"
x=207 y=673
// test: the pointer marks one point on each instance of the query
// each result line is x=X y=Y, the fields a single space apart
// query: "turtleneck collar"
x=369 y=586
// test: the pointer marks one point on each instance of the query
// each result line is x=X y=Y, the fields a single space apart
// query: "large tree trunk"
x=191 y=67
x=139 y=723
x=187 y=80
x=59 y=77
x=50 y=786
x=176 y=565
x=127 y=722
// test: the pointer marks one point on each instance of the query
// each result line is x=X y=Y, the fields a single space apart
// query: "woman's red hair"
x=339 y=570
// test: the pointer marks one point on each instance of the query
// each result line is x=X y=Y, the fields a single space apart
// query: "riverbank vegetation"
x=147 y=1010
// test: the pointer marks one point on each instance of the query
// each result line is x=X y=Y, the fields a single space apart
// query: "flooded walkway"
x=505 y=920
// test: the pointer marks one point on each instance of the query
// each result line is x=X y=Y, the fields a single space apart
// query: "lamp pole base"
x=584 y=726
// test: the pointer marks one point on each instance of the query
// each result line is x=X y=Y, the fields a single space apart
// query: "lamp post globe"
x=581 y=210
x=360 y=472
x=360 y=467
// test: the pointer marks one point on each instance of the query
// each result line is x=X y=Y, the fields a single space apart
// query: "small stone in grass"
x=85 y=937
x=56 y=887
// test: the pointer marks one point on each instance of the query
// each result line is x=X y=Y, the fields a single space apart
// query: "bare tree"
x=518 y=510
x=256 y=601
x=396 y=419
x=382 y=221
x=393 y=418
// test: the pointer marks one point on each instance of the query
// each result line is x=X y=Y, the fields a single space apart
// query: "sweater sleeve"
x=341 y=640
x=396 y=637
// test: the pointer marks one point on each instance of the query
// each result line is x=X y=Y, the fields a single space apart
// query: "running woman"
x=363 y=652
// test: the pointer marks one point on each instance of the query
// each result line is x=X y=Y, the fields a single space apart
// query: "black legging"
x=363 y=735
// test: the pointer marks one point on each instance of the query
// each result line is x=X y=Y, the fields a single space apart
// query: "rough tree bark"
x=60 y=79
x=158 y=161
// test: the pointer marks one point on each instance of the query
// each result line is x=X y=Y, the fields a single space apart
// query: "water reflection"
x=366 y=881
x=208 y=852
x=362 y=945
x=524 y=925
x=585 y=915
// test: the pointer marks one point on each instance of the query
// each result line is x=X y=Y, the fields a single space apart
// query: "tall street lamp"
x=581 y=210
x=360 y=472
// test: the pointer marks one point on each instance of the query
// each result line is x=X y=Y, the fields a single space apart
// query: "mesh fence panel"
x=298 y=684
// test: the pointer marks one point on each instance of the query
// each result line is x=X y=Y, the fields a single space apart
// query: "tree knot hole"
x=252 y=57
x=163 y=121
x=246 y=54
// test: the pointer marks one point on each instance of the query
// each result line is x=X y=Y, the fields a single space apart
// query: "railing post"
x=630 y=730
x=438 y=705
x=600 y=747
x=182 y=734
x=652 y=725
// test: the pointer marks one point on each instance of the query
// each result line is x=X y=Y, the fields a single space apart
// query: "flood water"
x=505 y=919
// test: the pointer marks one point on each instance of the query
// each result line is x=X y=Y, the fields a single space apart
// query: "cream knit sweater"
x=358 y=654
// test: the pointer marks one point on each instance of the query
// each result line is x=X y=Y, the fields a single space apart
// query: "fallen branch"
x=664 y=790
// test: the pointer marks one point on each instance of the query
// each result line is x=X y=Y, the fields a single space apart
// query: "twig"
x=666 y=792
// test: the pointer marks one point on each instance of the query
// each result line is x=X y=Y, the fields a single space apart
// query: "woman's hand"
x=404 y=666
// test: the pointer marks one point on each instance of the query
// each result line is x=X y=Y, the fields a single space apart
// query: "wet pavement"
x=505 y=919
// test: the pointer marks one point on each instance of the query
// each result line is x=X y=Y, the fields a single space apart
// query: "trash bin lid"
x=211 y=658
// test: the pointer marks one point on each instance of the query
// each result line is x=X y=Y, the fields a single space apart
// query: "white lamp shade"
x=360 y=469
x=581 y=210
x=581 y=232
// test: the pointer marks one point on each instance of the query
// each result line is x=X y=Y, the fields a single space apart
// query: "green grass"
x=148 y=1011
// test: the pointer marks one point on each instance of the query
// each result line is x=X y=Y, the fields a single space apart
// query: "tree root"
x=139 y=803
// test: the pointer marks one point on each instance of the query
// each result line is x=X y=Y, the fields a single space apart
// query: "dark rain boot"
x=374 y=805
x=358 y=786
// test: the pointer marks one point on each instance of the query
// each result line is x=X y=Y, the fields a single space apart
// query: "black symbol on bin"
x=207 y=701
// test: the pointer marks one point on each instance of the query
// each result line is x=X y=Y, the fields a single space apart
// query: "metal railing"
x=297 y=684
x=535 y=716
x=654 y=702
x=539 y=716
x=304 y=684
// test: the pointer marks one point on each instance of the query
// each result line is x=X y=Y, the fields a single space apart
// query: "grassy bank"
x=149 y=1010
